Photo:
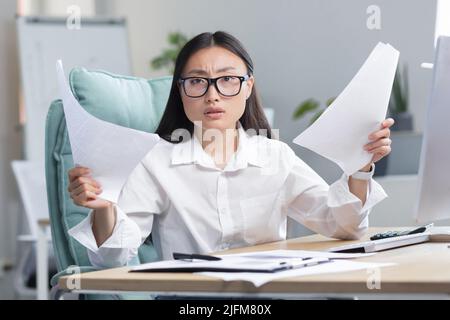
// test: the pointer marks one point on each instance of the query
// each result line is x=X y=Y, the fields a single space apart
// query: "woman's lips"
x=214 y=113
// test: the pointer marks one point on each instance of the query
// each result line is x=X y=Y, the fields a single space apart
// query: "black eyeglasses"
x=228 y=86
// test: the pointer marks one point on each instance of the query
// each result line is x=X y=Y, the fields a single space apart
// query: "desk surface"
x=422 y=268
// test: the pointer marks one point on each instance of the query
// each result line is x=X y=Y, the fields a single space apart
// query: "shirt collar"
x=191 y=152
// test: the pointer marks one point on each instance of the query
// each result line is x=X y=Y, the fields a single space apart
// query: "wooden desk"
x=421 y=269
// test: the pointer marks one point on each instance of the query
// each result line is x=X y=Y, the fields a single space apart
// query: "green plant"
x=311 y=105
x=168 y=56
x=399 y=100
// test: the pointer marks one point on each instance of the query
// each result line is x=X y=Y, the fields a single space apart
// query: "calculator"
x=390 y=234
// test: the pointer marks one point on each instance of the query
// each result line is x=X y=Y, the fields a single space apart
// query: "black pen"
x=192 y=256
x=303 y=262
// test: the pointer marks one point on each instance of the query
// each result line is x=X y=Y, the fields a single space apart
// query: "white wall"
x=301 y=48
x=59 y=7
x=29 y=7
x=10 y=138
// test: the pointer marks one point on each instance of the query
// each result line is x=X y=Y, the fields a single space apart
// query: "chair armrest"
x=68 y=272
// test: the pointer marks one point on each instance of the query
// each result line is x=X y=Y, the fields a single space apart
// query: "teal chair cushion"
x=127 y=101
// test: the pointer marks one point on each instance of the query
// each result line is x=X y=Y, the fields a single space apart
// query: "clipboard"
x=232 y=264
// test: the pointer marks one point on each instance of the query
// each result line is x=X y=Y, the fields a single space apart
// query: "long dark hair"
x=174 y=116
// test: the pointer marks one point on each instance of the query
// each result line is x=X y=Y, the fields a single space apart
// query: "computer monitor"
x=433 y=199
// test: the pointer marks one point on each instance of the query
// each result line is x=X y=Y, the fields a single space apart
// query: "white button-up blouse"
x=178 y=195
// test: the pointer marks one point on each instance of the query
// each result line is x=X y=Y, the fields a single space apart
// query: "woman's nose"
x=212 y=94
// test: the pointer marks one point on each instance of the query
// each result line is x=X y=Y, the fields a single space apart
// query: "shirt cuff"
x=361 y=175
x=339 y=194
x=126 y=233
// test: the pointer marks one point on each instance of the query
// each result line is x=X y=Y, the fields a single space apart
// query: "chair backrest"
x=127 y=101
x=30 y=178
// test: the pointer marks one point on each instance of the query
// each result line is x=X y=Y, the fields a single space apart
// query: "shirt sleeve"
x=331 y=210
x=140 y=198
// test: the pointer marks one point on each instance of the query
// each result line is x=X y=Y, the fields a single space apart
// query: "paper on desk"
x=343 y=129
x=227 y=264
x=258 y=279
x=109 y=150
x=295 y=254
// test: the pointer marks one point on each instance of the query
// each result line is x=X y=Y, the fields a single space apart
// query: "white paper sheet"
x=295 y=254
x=343 y=129
x=109 y=150
x=258 y=279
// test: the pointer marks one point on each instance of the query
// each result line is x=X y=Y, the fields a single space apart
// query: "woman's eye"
x=196 y=81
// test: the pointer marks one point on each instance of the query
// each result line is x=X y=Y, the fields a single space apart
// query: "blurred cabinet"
x=405 y=155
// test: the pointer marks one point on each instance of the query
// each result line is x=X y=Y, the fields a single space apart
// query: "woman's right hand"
x=84 y=190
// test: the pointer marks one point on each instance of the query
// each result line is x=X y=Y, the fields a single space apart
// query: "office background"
x=301 y=50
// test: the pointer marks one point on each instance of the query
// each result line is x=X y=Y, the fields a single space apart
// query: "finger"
x=77 y=172
x=83 y=180
x=77 y=187
x=384 y=133
x=381 y=151
x=379 y=143
x=86 y=187
x=84 y=197
x=389 y=122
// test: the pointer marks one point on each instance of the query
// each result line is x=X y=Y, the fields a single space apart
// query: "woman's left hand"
x=380 y=145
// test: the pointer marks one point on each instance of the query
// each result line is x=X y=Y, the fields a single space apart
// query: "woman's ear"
x=249 y=84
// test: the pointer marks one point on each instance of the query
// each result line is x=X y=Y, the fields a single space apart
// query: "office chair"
x=127 y=101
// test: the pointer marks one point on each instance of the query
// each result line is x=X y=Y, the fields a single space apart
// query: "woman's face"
x=214 y=110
